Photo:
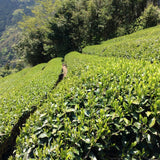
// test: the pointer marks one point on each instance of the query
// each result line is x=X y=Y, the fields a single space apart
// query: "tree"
x=66 y=25
x=34 y=45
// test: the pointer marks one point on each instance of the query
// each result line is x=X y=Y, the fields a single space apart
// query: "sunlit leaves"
x=140 y=45
x=20 y=91
x=103 y=104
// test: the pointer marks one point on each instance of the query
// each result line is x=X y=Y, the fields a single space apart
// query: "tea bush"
x=140 y=45
x=106 y=108
x=21 y=91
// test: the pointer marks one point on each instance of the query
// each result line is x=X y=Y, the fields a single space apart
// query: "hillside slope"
x=105 y=108
x=11 y=11
x=140 y=45
x=21 y=94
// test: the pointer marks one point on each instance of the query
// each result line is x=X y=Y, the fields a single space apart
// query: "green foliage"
x=19 y=66
x=8 y=7
x=4 y=72
x=8 y=38
x=149 y=18
x=20 y=91
x=7 y=55
x=140 y=45
x=34 y=44
x=17 y=15
x=33 y=48
x=11 y=12
x=70 y=25
x=106 y=108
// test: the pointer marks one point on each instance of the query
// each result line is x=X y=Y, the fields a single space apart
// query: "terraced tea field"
x=21 y=92
x=95 y=111
x=107 y=106
x=140 y=45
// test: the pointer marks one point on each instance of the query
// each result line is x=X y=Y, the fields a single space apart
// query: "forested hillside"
x=63 y=26
x=11 y=11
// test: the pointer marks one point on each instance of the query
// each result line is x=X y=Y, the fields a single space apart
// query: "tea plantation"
x=140 y=45
x=20 y=92
x=107 y=107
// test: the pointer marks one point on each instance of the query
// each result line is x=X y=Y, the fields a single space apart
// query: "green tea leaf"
x=137 y=125
x=126 y=121
x=43 y=135
x=152 y=122
x=148 y=113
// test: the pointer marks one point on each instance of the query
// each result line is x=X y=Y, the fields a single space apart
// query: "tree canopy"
x=60 y=26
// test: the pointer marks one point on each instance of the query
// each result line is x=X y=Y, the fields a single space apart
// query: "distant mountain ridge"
x=7 y=8
x=11 y=12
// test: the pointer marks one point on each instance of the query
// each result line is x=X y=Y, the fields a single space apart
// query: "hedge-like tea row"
x=20 y=91
x=106 y=108
x=140 y=45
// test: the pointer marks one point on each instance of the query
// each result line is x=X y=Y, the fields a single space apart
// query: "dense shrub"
x=149 y=18
x=105 y=109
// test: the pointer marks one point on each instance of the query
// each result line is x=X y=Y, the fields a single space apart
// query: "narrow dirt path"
x=64 y=68
x=61 y=76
